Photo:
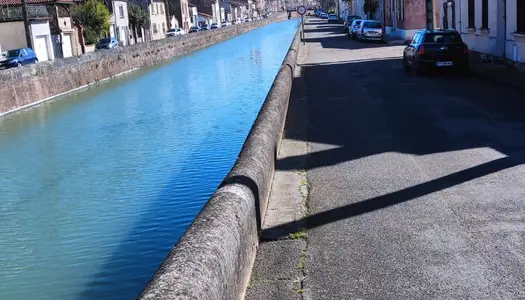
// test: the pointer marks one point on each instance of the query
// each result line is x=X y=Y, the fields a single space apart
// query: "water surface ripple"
x=97 y=186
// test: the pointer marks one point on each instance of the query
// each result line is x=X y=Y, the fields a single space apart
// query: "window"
x=520 y=15
x=163 y=27
x=121 y=11
x=485 y=14
x=415 y=38
x=161 y=8
x=155 y=28
x=442 y=38
x=372 y=25
x=471 y=14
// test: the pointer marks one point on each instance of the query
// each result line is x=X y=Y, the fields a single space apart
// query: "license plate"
x=444 y=63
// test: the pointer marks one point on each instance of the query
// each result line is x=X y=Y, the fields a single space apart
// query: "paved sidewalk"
x=415 y=184
x=499 y=73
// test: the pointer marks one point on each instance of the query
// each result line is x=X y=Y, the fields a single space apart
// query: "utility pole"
x=26 y=25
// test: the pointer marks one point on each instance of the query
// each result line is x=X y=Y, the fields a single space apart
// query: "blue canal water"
x=97 y=186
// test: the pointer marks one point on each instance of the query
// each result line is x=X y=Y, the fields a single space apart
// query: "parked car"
x=248 y=20
x=18 y=58
x=174 y=32
x=215 y=26
x=370 y=31
x=352 y=30
x=204 y=27
x=237 y=21
x=225 y=24
x=436 y=49
x=107 y=43
x=348 y=21
x=324 y=16
x=195 y=29
x=3 y=56
x=332 y=18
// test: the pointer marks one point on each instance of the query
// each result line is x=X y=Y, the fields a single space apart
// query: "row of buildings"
x=53 y=33
x=493 y=27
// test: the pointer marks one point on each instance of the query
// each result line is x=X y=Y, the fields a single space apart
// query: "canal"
x=97 y=186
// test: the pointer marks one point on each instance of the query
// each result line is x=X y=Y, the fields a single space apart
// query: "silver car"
x=370 y=31
x=352 y=29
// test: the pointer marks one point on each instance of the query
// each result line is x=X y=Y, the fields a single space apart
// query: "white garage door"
x=66 y=46
x=41 y=48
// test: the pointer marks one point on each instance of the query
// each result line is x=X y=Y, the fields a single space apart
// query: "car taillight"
x=421 y=51
x=465 y=49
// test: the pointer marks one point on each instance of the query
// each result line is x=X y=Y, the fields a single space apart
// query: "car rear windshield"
x=358 y=22
x=372 y=25
x=172 y=30
x=13 y=53
x=433 y=38
x=106 y=40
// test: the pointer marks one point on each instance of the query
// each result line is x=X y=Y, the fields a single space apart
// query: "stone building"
x=404 y=17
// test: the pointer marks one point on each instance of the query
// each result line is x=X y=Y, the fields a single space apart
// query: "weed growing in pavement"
x=301 y=234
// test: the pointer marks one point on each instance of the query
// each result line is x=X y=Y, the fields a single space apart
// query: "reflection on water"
x=97 y=186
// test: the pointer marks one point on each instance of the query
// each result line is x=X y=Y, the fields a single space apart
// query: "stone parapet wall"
x=214 y=257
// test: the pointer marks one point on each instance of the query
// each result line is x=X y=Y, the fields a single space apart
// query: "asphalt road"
x=417 y=184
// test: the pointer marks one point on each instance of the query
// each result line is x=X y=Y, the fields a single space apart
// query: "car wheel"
x=19 y=64
x=416 y=69
x=406 y=67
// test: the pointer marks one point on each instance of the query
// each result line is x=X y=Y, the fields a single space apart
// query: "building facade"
x=404 y=17
x=119 y=21
x=495 y=27
x=52 y=34
x=158 y=24
x=181 y=11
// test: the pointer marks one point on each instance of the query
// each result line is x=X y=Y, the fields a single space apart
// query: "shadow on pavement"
x=361 y=114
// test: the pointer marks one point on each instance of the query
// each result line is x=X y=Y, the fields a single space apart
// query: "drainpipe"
x=504 y=28
x=460 y=18
x=27 y=28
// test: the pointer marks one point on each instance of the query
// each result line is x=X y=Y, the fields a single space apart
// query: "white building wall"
x=492 y=41
x=515 y=42
x=40 y=29
x=358 y=8
x=157 y=15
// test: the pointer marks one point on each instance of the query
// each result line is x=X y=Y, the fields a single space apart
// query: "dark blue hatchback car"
x=18 y=58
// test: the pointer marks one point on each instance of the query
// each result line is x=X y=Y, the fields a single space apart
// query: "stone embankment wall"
x=30 y=85
x=214 y=257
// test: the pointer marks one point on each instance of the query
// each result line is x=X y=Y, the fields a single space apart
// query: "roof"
x=19 y=2
x=437 y=30
x=204 y=15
